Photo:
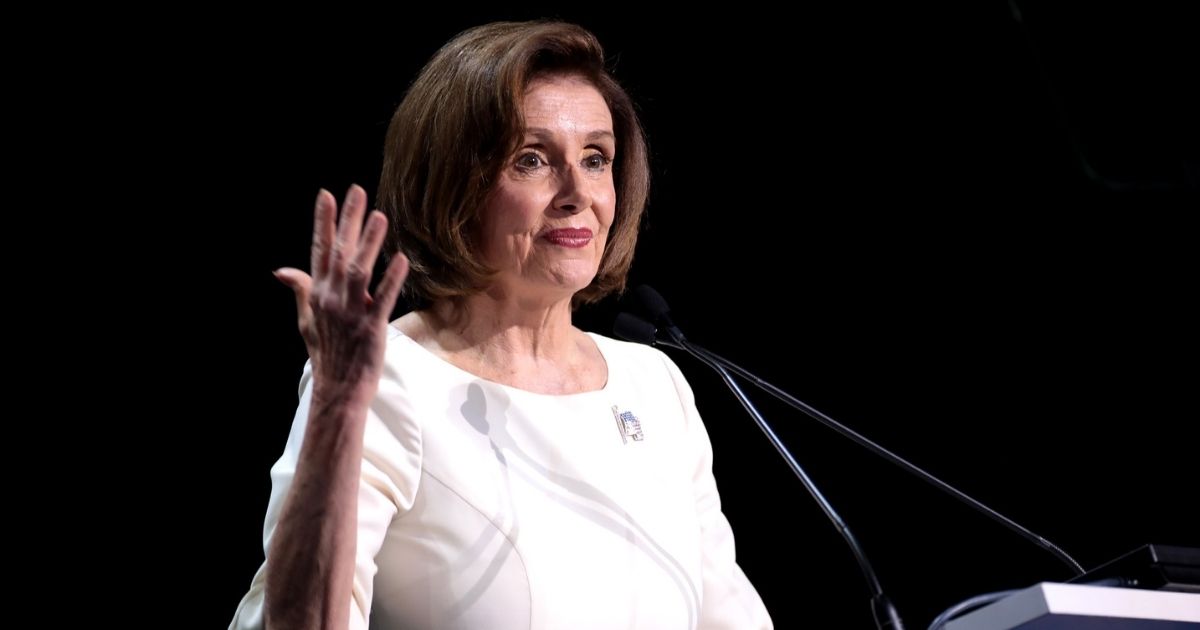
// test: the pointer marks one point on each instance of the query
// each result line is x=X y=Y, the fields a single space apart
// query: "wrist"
x=339 y=394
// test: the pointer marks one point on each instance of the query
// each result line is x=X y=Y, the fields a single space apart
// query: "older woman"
x=480 y=462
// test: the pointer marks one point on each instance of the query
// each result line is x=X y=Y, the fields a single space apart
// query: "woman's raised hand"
x=343 y=325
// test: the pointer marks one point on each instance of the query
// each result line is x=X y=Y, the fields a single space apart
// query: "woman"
x=480 y=462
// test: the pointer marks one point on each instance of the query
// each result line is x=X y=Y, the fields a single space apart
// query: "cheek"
x=506 y=221
x=506 y=241
x=606 y=206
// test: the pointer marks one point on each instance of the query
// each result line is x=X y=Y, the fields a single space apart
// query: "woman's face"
x=546 y=220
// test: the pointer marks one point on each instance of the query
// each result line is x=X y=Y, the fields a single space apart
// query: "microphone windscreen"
x=654 y=303
x=633 y=328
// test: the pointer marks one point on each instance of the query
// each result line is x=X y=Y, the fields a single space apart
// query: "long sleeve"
x=390 y=474
x=729 y=600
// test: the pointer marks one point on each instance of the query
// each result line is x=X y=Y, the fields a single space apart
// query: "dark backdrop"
x=965 y=238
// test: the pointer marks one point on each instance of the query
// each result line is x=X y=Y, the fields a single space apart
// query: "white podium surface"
x=1053 y=606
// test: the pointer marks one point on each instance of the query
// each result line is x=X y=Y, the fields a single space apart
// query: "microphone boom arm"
x=859 y=439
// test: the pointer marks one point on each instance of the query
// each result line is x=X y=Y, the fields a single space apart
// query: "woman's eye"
x=597 y=161
x=529 y=160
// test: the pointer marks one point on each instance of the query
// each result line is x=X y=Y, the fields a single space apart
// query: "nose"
x=574 y=194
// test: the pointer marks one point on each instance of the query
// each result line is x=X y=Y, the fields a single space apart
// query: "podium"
x=1054 y=606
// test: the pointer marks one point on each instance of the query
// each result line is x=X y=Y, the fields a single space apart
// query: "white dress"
x=487 y=507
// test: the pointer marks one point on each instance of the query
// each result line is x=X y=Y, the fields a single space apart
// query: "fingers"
x=343 y=258
x=358 y=274
x=323 y=231
x=345 y=244
x=389 y=286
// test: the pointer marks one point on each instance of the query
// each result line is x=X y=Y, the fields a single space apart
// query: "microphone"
x=657 y=306
x=636 y=329
x=633 y=328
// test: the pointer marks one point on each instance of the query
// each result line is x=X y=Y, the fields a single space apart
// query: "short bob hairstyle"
x=458 y=125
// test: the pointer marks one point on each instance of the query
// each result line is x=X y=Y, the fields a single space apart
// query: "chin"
x=571 y=283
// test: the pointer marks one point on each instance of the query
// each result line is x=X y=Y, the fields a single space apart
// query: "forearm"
x=310 y=566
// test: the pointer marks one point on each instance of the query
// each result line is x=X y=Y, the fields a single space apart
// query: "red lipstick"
x=569 y=237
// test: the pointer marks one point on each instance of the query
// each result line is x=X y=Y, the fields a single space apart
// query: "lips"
x=569 y=237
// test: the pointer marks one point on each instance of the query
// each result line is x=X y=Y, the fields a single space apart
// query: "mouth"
x=569 y=237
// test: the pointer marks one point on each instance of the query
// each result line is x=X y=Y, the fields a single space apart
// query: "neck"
x=521 y=343
x=497 y=326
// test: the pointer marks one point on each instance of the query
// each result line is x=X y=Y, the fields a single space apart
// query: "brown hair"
x=456 y=127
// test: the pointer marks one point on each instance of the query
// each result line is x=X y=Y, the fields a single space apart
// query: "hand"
x=344 y=327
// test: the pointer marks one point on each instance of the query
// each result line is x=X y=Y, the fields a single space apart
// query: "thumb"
x=299 y=282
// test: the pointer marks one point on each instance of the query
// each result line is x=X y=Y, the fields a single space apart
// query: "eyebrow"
x=545 y=134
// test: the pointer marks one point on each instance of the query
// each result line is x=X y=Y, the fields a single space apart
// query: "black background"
x=966 y=239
